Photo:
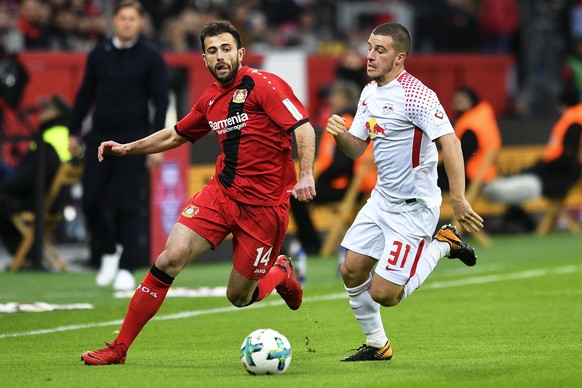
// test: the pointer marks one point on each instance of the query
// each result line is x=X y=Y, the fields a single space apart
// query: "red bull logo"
x=374 y=129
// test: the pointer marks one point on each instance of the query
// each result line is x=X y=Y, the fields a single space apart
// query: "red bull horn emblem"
x=374 y=129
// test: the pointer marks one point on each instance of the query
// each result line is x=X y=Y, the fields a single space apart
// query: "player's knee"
x=171 y=261
x=386 y=299
x=237 y=299
x=344 y=271
x=350 y=275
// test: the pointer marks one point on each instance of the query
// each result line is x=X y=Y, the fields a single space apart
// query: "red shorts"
x=258 y=231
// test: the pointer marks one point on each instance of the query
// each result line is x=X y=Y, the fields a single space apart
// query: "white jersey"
x=402 y=119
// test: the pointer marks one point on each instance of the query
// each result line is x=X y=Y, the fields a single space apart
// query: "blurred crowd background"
x=540 y=34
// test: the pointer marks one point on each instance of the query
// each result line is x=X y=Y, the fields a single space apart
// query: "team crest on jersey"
x=387 y=109
x=374 y=129
x=239 y=96
x=190 y=211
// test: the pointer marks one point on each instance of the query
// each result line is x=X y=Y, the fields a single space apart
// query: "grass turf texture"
x=512 y=320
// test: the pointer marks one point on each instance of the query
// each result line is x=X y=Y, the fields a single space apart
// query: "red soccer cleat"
x=111 y=354
x=290 y=290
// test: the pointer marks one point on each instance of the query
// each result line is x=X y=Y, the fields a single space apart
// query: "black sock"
x=164 y=277
x=254 y=297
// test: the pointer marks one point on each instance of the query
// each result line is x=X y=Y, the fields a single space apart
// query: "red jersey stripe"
x=416 y=258
x=416 y=143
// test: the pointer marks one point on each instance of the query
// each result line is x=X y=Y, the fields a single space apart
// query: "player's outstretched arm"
x=162 y=140
x=454 y=165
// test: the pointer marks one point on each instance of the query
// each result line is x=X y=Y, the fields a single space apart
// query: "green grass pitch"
x=513 y=320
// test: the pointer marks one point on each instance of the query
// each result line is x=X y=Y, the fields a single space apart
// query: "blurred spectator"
x=193 y=20
x=476 y=127
x=308 y=25
x=252 y=23
x=92 y=26
x=554 y=174
x=460 y=28
x=499 y=21
x=280 y=12
x=242 y=15
x=13 y=123
x=575 y=22
x=174 y=38
x=572 y=70
x=33 y=22
x=162 y=11
x=64 y=29
x=13 y=81
x=17 y=192
x=11 y=39
x=352 y=67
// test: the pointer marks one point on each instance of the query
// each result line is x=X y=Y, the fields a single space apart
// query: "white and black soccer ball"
x=265 y=352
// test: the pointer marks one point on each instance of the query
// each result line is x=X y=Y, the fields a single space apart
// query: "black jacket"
x=118 y=84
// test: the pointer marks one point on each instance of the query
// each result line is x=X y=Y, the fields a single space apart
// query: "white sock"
x=428 y=261
x=367 y=313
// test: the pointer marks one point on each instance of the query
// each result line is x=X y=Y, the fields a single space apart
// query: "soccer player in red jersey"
x=253 y=114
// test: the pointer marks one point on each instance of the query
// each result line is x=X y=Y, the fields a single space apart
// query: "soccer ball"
x=265 y=352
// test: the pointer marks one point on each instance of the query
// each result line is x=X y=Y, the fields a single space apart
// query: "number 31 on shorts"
x=398 y=255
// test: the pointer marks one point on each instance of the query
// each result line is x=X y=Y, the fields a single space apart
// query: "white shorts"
x=396 y=240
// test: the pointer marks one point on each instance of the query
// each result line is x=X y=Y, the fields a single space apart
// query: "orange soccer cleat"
x=369 y=353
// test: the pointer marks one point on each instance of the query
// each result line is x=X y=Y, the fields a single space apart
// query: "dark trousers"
x=306 y=233
x=112 y=201
x=9 y=235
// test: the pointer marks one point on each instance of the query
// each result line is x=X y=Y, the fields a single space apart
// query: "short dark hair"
x=470 y=93
x=129 y=3
x=348 y=88
x=399 y=34
x=569 y=96
x=58 y=102
x=218 y=27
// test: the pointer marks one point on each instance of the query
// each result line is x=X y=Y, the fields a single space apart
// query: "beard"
x=226 y=78
x=380 y=75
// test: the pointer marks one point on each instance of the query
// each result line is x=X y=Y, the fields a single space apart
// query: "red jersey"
x=253 y=117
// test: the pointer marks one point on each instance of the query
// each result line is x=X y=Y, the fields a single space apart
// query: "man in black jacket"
x=122 y=76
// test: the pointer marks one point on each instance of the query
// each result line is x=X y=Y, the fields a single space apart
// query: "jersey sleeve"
x=426 y=112
x=279 y=102
x=358 y=126
x=194 y=125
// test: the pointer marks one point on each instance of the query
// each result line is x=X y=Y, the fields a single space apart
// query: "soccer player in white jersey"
x=393 y=231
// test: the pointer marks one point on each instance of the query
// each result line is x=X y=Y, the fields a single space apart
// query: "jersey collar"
x=120 y=46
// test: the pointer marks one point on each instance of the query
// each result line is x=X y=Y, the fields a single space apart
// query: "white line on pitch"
x=503 y=277
x=432 y=285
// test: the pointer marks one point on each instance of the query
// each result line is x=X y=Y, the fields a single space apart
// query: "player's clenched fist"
x=336 y=125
